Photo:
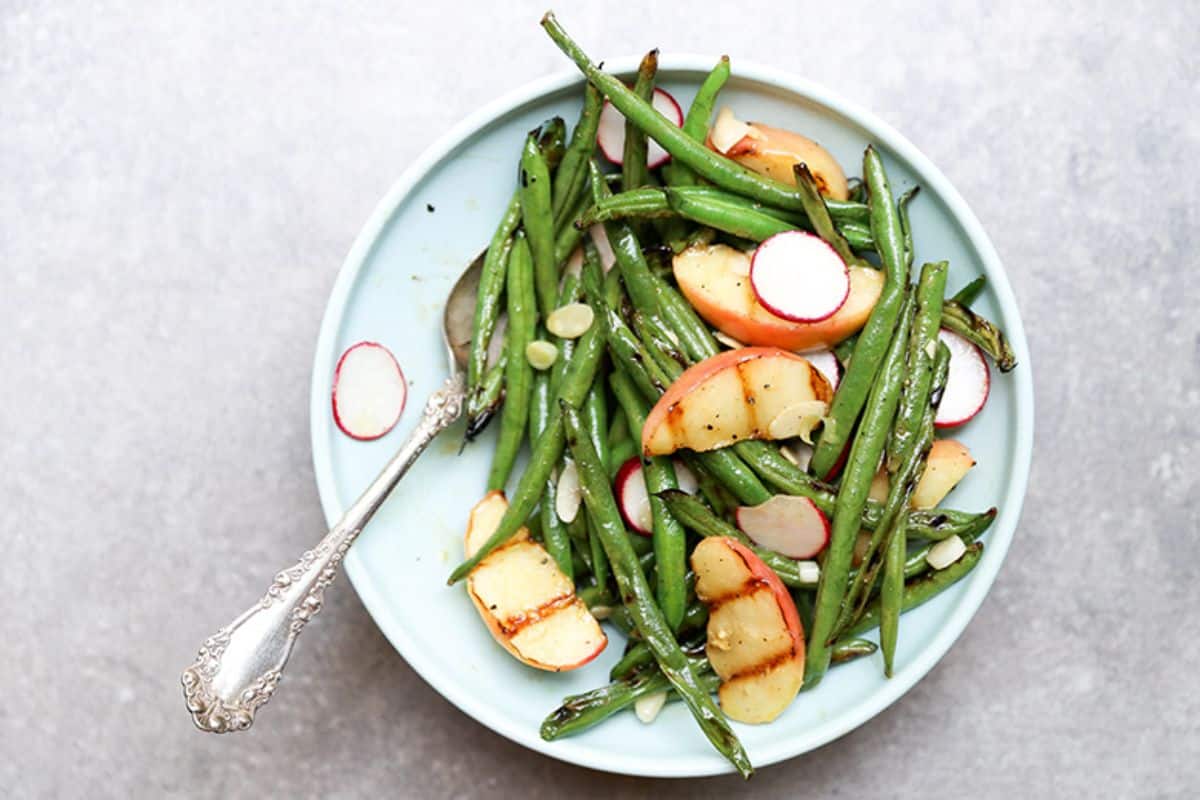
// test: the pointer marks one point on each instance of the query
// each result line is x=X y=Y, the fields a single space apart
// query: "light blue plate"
x=391 y=290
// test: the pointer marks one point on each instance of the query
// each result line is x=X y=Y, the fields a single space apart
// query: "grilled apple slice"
x=526 y=601
x=755 y=638
x=716 y=281
x=948 y=463
x=748 y=393
x=774 y=152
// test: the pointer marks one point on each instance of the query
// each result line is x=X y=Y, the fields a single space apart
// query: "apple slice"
x=967 y=384
x=610 y=134
x=368 y=391
x=799 y=277
x=525 y=600
x=633 y=499
x=948 y=463
x=791 y=526
x=749 y=393
x=774 y=152
x=755 y=638
x=714 y=278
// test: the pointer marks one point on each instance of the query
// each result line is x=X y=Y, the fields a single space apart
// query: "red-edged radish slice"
x=798 y=277
x=827 y=364
x=791 y=526
x=611 y=133
x=368 y=391
x=632 y=497
x=967 y=385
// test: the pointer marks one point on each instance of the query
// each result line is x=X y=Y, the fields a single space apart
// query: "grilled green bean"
x=861 y=464
x=847 y=650
x=818 y=215
x=707 y=164
x=980 y=332
x=554 y=530
x=634 y=589
x=668 y=536
x=518 y=374
x=891 y=593
x=695 y=124
x=970 y=293
x=538 y=221
x=634 y=172
x=872 y=342
x=921 y=590
x=487 y=398
x=482 y=399
x=570 y=179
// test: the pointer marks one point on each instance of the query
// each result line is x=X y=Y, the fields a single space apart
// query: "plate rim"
x=1000 y=536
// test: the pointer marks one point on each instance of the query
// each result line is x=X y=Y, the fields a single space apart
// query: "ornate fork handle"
x=238 y=667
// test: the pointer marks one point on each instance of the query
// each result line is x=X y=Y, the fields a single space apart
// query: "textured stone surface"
x=178 y=184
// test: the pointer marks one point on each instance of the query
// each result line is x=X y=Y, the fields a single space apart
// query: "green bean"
x=921 y=590
x=695 y=124
x=663 y=351
x=538 y=221
x=857 y=190
x=618 y=427
x=891 y=593
x=488 y=397
x=980 y=332
x=487 y=311
x=692 y=513
x=970 y=293
x=847 y=650
x=718 y=497
x=600 y=567
x=908 y=445
x=582 y=711
x=668 y=536
x=865 y=452
x=595 y=417
x=818 y=215
x=597 y=496
x=620 y=453
x=804 y=608
x=873 y=340
x=707 y=164
x=552 y=141
x=585 y=361
x=845 y=348
x=554 y=530
x=640 y=655
x=518 y=374
x=906 y=227
x=727 y=212
x=571 y=176
x=634 y=172
x=567 y=237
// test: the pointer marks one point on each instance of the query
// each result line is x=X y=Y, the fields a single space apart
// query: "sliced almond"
x=600 y=239
x=541 y=354
x=946 y=552
x=648 y=706
x=798 y=453
x=728 y=340
x=568 y=496
x=570 y=321
x=574 y=265
x=798 y=419
x=727 y=130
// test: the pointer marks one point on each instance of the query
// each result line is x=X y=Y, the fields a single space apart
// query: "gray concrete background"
x=178 y=185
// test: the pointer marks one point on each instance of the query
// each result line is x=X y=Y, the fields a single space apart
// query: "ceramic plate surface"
x=430 y=225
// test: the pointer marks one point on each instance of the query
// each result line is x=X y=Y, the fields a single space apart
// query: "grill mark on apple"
x=819 y=385
x=749 y=588
x=761 y=668
x=514 y=625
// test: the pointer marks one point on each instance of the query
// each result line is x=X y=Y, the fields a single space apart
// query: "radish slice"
x=967 y=384
x=611 y=133
x=368 y=391
x=632 y=497
x=791 y=526
x=827 y=364
x=798 y=277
